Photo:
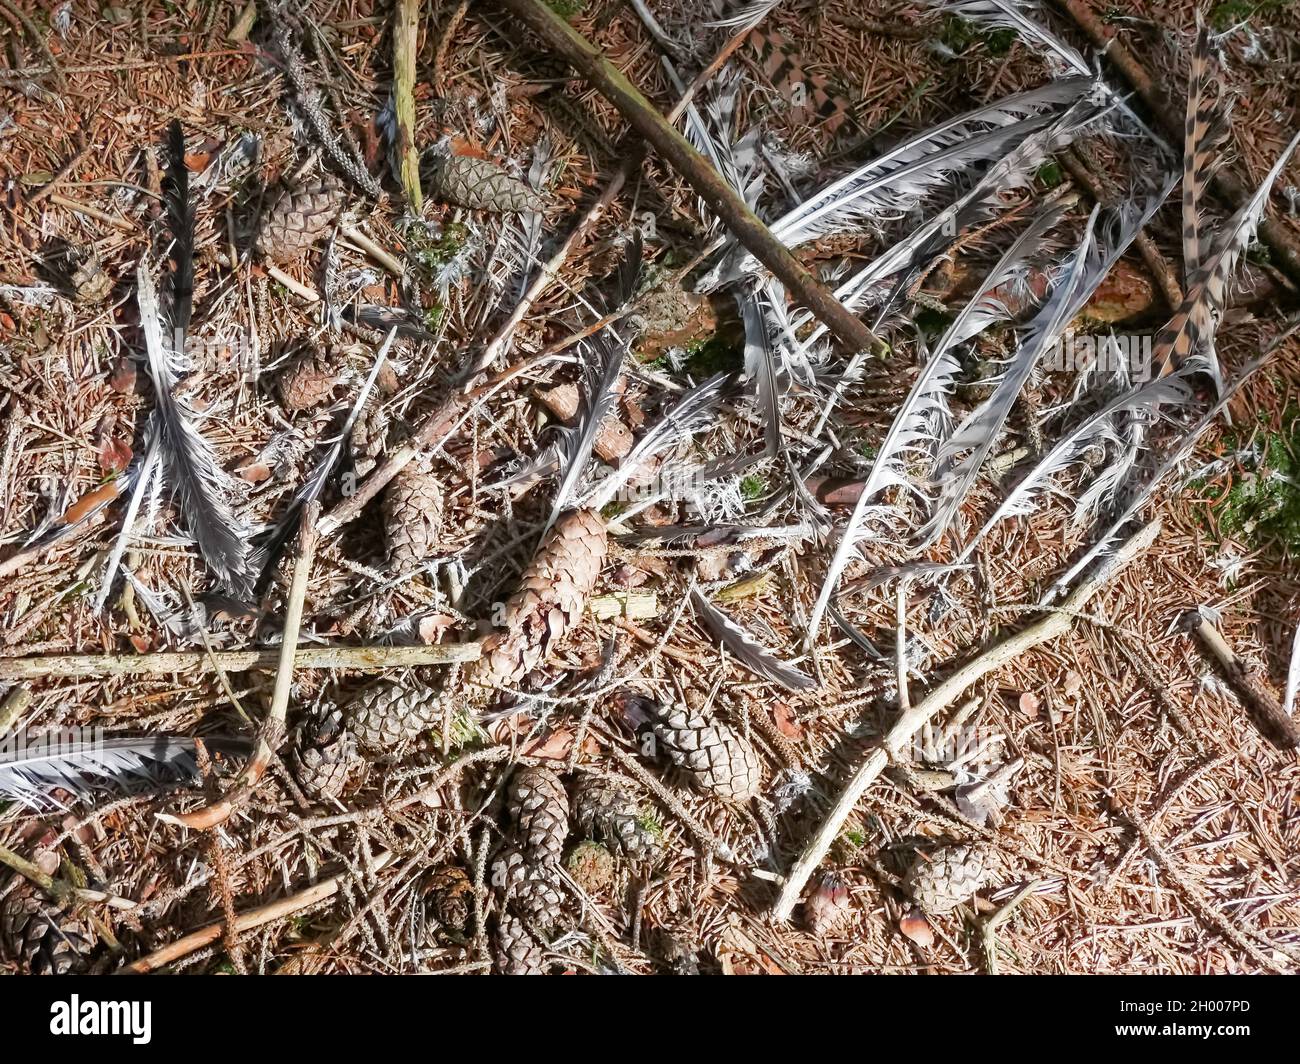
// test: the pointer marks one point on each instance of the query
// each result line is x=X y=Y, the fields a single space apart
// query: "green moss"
x=1263 y=507
x=713 y=355
x=752 y=488
x=999 y=42
x=649 y=822
x=1231 y=12
x=434 y=253
x=958 y=35
x=567 y=9
x=1049 y=174
x=931 y=321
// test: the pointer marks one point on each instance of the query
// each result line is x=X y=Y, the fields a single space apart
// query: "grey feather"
x=746 y=650
x=30 y=774
x=602 y=366
x=1292 y=675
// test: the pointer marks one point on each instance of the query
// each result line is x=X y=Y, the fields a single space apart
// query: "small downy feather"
x=747 y=650
x=745 y=17
x=87 y=768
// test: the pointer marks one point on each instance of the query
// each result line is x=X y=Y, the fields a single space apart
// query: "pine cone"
x=324 y=758
x=539 y=808
x=592 y=867
x=517 y=952
x=531 y=887
x=369 y=437
x=449 y=900
x=949 y=876
x=299 y=217
x=716 y=758
x=481 y=185
x=308 y=381
x=90 y=282
x=386 y=715
x=412 y=516
x=551 y=599
x=606 y=809
x=43 y=939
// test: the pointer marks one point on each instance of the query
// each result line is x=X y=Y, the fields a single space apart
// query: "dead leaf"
x=1029 y=704
x=114 y=456
x=254 y=472
x=785 y=722
x=123 y=376
x=915 y=926
x=141 y=643
x=1073 y=684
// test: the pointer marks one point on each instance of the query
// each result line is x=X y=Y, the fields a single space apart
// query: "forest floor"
x=1139 y=819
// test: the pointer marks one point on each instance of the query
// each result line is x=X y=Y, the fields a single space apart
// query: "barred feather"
x=748 y=651
x=1206 y=130
x=1188 y=339
x=84 y=769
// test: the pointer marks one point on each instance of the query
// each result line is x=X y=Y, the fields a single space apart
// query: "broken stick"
x=676 y=150
x=900 y=735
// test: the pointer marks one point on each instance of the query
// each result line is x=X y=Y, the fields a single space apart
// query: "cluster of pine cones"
x=527 y=873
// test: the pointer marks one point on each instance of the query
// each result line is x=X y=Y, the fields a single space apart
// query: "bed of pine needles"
x=1149 y=827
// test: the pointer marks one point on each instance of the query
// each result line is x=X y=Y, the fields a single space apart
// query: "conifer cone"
x=531 y=885
x=539 y=808
x=42 y=939
x=90 y=282
x=715 y=757
x=324 y=757
x=948 y=876
x=299 y=217
x=368 y=438
x=308 y=381
x=607 y=810
x=550 y=601
x=449 y=900
x=517 y=952
x=412 y=515
x=479 y=184
x=386 y=715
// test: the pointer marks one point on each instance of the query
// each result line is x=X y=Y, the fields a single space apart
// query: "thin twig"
x=901 y=734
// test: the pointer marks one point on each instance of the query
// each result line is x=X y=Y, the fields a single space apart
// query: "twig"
x=406 y=25
x=263 y=914
x=16 y=701
x=272 y=730
x=1265 y=707
x=17 y=17
x=645 y=118
x=59 y=890
x=164 y=663
x=901 y=734
x=386 y=260
x=991 y=925
x=58 y=179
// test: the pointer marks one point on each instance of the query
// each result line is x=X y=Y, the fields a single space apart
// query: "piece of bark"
x=613 y=438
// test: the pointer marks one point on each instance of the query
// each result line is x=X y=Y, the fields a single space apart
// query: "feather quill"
x=603 y=363
x=747 y=650
x=84 y=769
x=1292 y=675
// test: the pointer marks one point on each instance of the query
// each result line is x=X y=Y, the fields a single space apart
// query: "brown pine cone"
x=539 y=808
x=606 y=809
x=41 y=938
x=299 y=217
x=412 y=515
x=530 y=886
x=385 y=716
x=592 y=867
x=716 y=758
x=948 y=876
x=481 y=185
x=550 y=601
x=90 y=282
x=324 y=758
x=517 y=951
x=308 y=381
x=449 y=900
x=368 y=438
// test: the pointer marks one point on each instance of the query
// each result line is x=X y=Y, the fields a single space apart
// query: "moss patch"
x=1263 y=507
